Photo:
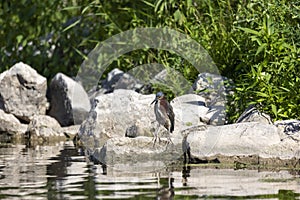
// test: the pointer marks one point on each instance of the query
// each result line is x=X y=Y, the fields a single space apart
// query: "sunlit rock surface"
x=10 y=124
x=242 y=139
x=138 y=150
x=68 y=100
x=125 y=112
x=23 y=92
x=252 y=114
x=115 y=112
x=214 y=88
x=117 y=79
x=44 y=127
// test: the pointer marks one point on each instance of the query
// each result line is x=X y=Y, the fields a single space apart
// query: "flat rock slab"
x=139 y=149
x=243 y=139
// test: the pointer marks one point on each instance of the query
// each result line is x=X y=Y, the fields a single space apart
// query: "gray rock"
x=251 y=114
x=117 y=79
x=114 y=113
x=188 y=109
x=171 y=78
x=69 y=103
x=11 y=125
x=44 y=127
x=140 y=149
x=289 y=129
x=216 y=115
x=137 y=129
x=23 y=92
x=127 y=112
x=243 y=139
x=70 y=131
x=214 y=89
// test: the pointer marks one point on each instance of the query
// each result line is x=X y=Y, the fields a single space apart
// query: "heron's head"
x=158 y=96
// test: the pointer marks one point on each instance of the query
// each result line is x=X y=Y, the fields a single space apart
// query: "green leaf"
x=85 y=9
x=261 y=94
x=19 y=39
x=285 y=89
x=179 y=17
x=158 y=6
x=256 y=39
x=72 y=25
x=81 y=54
x=148 y=3
x=248 y=30
x=71 y=8
x=261 y=48
x=189 y=3
x=274 y=109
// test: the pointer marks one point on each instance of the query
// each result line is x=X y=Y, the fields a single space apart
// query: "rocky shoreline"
x=116 y=126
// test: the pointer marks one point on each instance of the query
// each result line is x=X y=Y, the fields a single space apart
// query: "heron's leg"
x=155 y=134
x=169 y=137
x=169 y=140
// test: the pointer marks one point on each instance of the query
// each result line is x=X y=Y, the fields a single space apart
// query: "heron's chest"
x=160 y=111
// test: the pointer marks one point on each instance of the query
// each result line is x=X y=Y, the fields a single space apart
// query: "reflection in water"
x=61 y=172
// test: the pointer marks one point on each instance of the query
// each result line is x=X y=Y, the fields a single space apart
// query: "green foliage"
x=271 y=62
x=255 y=43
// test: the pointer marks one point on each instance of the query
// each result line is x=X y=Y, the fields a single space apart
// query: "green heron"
x=164 y=115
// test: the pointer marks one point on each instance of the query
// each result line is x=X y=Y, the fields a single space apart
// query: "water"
x=60 y=171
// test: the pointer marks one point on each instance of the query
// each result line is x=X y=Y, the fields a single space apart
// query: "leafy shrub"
x=255 y=43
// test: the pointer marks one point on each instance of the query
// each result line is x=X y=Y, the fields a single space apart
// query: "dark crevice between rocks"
x=24 y=82
x=190 y=159
x=21 y=120
x=5 y=137
x=1 y=102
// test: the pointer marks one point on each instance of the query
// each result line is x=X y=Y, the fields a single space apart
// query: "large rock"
x=188 y=111
x=117 y=79
x=289 y=129
x=112 y=114
x=45 y=128
x=11 y=125
x=23 y=92
x=252 y=114
x=69 y=103
x=125 y=112
x=214 y=89
x=242 y=139
x=138 y=150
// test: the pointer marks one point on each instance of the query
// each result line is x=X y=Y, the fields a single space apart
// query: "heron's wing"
x=171 y=116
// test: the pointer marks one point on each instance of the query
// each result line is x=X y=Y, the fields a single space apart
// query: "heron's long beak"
x=155 y=100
